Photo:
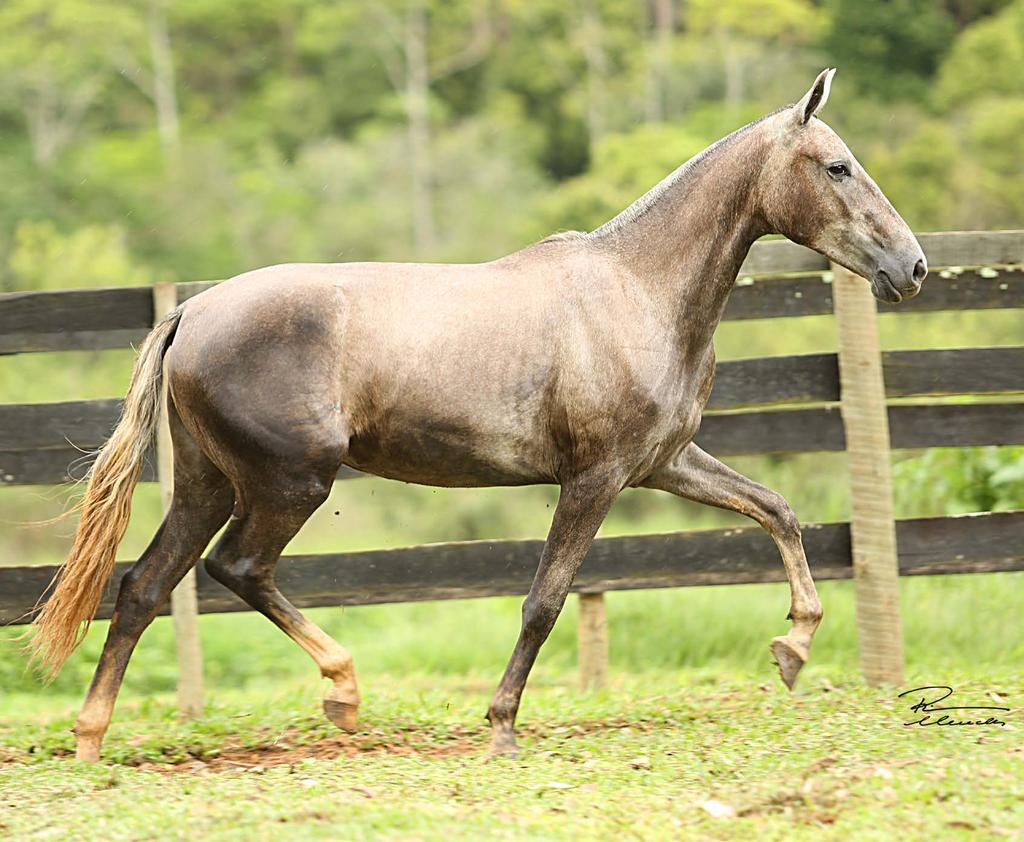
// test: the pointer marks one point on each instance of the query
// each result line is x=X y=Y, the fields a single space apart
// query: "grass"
x=950 y=623
x=695 y=714
x=641 y=760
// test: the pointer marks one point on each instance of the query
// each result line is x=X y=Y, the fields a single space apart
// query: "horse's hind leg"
x=246 y=556
x=201 y=504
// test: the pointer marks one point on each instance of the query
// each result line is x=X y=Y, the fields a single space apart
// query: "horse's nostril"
x=920 y=270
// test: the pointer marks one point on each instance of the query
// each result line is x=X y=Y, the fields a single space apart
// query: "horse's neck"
x=685 y=240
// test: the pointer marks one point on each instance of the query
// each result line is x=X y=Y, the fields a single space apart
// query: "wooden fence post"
x=184 y=600
x=592 y=641
x=872 y=528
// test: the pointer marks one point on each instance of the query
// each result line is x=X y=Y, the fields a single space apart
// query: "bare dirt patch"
x=282 y=753
x=293 y=746
x=401 y=742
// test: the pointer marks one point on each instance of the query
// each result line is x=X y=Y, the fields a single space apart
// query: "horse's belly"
x=447 y=455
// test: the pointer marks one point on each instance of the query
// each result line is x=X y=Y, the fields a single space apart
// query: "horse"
x=583 y=360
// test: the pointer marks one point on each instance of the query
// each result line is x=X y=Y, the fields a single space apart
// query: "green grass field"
x=695 y=723
x=695 y=714
x=685 y=754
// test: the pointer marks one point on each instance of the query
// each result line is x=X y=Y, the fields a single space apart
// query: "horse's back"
x=428 y=373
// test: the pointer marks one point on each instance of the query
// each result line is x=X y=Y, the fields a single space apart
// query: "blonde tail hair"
x=105 y=508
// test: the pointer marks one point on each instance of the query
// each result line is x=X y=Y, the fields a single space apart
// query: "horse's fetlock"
x=340 y=669
x=502 y=713
x=85 y=728
x=805 y=615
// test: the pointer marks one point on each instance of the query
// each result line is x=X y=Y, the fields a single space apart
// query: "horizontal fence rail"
x=103 y=319
x=787 y=404
x=787 y=431
x=96 y=319
x=471 y=569
x=44 y=444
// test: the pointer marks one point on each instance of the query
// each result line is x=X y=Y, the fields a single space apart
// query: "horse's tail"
x=105 y=507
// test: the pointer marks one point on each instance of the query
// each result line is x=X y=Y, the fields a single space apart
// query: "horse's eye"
x=838 y=170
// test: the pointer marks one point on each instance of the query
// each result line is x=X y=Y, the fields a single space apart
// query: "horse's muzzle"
x=894 y=290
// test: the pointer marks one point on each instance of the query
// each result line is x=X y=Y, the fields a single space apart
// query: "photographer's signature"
x=928 y=706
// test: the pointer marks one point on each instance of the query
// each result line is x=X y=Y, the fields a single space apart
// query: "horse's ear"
x=815 y=98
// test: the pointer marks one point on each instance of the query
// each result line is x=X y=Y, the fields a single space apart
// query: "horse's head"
x=817 y=194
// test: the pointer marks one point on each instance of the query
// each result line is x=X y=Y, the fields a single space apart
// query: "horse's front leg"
x=698 y=476
x=582 y=505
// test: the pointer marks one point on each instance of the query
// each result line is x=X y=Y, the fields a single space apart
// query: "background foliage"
x=199 y=138
x=145 y=140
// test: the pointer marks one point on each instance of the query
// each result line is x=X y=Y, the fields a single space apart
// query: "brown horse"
x=584 y=360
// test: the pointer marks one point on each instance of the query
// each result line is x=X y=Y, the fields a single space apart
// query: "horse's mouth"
x=885 y=290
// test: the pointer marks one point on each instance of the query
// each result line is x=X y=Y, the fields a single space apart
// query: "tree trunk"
x=733 y=69
x=417 y=92
x=54 y=120
x=658 y=60
x=165 y=97
x=593 y=54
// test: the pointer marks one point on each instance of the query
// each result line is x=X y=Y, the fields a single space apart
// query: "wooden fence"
x=774 y=405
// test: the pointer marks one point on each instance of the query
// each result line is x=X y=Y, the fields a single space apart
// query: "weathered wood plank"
x=54 y=466
x=972 y=248
x=81 y=319
x=763 y=381
x=115 y=317
x=766 y=381
x=818 y=429
x=872 y=521
x=956 y=425
x=592 y=641
x=964 y=544
x=84 y=424
x=821 y=429
x=806 y=378
x=190 y=289
x=87 y=340
x=69 y=311
x=779 y=298
x=60 y=465
x=953 y=371
x=774 y=298
x=772 y=431
x=814 y=378
x=972 y=290
x=763 y=298
x=942 y=248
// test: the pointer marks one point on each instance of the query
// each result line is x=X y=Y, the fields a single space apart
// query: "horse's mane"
x=642 y=205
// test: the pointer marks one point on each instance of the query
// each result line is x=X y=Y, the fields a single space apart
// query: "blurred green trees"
x=147 y=140
x=217 y=136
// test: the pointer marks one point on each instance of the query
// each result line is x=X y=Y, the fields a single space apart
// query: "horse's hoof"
x=87 y=750
x=789 y=660
x=342 y=714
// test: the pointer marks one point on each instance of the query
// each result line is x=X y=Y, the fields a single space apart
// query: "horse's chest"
x=661 y=434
